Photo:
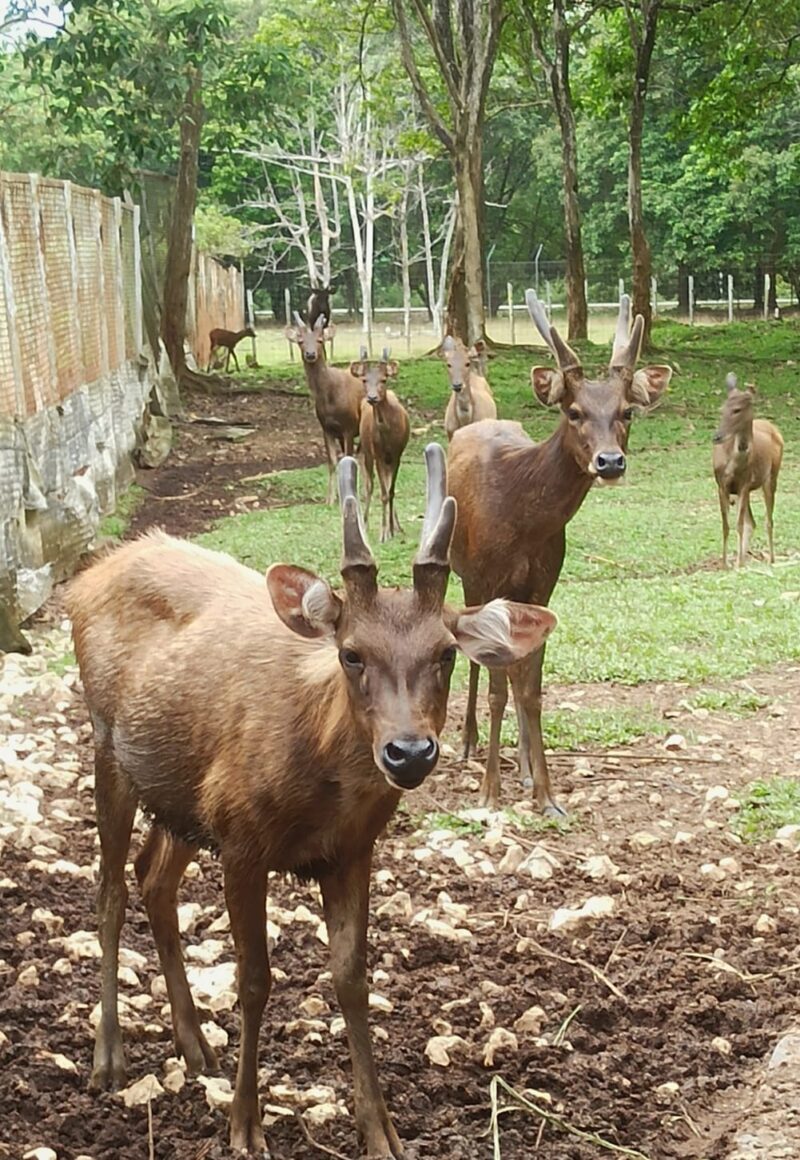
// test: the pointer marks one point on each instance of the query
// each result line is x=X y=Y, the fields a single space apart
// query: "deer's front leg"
x=345 y=896
x=246 y=896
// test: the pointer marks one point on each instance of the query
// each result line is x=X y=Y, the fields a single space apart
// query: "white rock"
x=314 y=1006
x=716 y=793
x=598 y=866
x=321 y=1114
x=786 y=1051
x=52 y=923
x=399 y=905
x=219 y=1094
x=28 y=977
x=501 y=1040
x=141 y=1092
x=211 y=982
x=174 y=1080
x=675 y=741
x=206 y=952
x=531 y=1021
x=487 y=1017
x=41 y=1154
x=765 y=924
x=713 y=872
x=721 y=1045
x=682 y=838
x=643 y=839
x=188 y=915
x=61 y=1062
x=128 y=977
x=132 y=959
x=567 y=919
x=439 y=1048
x=217 y=1036
x=788 y=833
x=380 y=1002
x=729 y=865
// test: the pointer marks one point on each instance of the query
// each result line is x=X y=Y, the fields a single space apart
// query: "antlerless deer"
x=471 y=398
x=384 y=432
x=227 y=340
x=515 y=498
x=336 y=393
x=747 y=456
x=278 y=724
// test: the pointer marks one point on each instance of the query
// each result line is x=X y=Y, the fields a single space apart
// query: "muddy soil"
x=654 y=1018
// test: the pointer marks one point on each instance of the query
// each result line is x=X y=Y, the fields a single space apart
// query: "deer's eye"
x=574 y=415
x=627 y=414
x=350 y=660
x=448 y=656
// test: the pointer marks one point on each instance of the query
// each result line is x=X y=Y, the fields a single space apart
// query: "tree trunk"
x=465 y=310
x=577 y=311
x=179 y=246
x=758 y=287
x=683 y=290
x=640 y=248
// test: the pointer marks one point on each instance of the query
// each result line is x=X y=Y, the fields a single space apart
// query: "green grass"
x=641 y=596
x=735 y=702
x=568 y=729
x=768 y=805
x=115 y=525
x=59 y=665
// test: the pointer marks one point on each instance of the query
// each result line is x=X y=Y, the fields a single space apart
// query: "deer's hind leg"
x=526 y=681
x=469 y=729
x=769 y=504
x=744 y=526
x=116 y=807
x=498 y=698
x=159 y=868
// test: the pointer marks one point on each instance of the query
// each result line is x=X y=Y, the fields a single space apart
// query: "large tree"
x=463 y=40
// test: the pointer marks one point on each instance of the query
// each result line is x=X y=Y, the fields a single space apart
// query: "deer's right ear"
x=292 y=333
x=502 y=632
x=329 y=331
x=303 y=601
x=357 y=370
x=548 y=385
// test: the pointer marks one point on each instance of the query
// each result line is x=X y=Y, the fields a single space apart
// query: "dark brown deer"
x=337 y=394
x=227 y=340
x=384 y=434
x=319 y=304
x=747 y=456
x=471 y=397
x=278 y=724
x=515 y=498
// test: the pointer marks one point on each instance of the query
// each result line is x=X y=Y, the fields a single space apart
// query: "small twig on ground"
x=598 y=974
x=605 y=560
x=151 y=1145
x=615 y=948
x=677 y=757
x=315 y=1143
x=204 y=1149
x=529 y=1106
x=745 y=976
x=561 y=1034
x=183 y=495
x=693 y=1128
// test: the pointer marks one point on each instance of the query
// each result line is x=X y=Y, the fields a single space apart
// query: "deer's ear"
x=357 y=370
x=501 y=632
x=329 y=332
x=548 y=385
x=392 y=367
x=292 y=333
x=649 y=384
x=303 y=601
x=448 y=344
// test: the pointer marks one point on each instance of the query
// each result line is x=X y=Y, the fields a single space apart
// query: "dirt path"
x=648 y=1026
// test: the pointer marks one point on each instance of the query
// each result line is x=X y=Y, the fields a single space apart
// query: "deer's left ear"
x=357 y=370
x=392 y=368
x=649 y=384
x=501 y=632
x=304 y=602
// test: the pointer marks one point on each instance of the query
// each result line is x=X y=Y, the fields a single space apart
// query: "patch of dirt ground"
x=646 y=1027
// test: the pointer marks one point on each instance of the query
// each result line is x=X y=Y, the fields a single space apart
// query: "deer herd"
x=326 y=706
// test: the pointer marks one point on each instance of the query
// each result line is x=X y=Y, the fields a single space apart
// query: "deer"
x=278 y=722
x=746 y=456
x=471 y=399
x=384 y=432
x=515 y=498
x=319 y=303
x=337 y=394
x=227 y=340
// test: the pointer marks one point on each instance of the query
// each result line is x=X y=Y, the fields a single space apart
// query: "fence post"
x=44 y=392
x=120 y=287
x=691 y=299
x=287 y=302
x=510 y=293
x=654 y=296
x=75 y=318
x=621 y=287
x=138 y=320
x=102 y=307
x=730 y=298
x=20 y=405
x=548 y=297
x=767 y=284
x=251 y=317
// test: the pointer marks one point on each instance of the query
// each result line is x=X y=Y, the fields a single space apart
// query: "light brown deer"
x=515 y=498
x=279 y=724
x=747 y=456
x=337 y=394
x=471 y=399
x=384 y=432
x=227 y=340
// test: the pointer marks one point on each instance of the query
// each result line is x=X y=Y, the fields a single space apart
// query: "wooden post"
x=730 y=298
x=510 y=293
x=77 y=323
x=119 y=292
x=102 y=307
x=621 y=287
x=654 y=296
x=287 y=302
x=691 y=299
x=9 y=303
x=138 y=313
x=767 y=284
x=251 y=317
x=45 y=390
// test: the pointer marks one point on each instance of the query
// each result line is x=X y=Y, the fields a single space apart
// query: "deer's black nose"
x=717 y=437
x=457 y=386
x=310 y=356
x=408 y=760
x=610 y=464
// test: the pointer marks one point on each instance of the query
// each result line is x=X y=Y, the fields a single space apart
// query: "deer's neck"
x=317 y=373
x=549 y=483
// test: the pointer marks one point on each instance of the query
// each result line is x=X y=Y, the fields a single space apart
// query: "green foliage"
x=766 y=807
x=221 y=234
x=736 y=702
x=115 y=525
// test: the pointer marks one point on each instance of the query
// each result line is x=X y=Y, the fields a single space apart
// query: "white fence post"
x=548 y=298
x=691 y=299
x=287 y=301
x=730 y=298
x=621 y=287
x=654 y=296
x=767 y=284
x=8 y=299
x=138 y=311
x=251 y=316
x=510 y=293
